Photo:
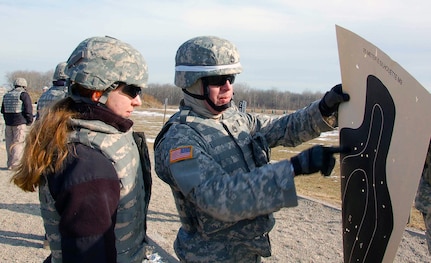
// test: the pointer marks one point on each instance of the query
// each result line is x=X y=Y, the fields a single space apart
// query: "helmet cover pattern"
x=205 y=56
x=98 y=62
x=20 y=82
x=59 y=72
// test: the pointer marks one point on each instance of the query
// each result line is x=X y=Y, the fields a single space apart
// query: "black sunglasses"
x=132 y=90
x=219 y=80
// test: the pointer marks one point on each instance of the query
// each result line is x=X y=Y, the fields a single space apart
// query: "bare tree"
x=165 y=91
x=35 y=80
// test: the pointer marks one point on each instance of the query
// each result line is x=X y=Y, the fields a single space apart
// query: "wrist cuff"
x=296 y=165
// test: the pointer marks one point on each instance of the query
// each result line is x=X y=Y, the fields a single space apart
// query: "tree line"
x=35 y=81
x=257 y=99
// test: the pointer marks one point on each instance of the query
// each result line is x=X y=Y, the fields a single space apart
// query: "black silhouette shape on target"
x=367 y=213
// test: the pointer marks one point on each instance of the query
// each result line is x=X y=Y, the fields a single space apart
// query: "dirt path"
x=310 y=232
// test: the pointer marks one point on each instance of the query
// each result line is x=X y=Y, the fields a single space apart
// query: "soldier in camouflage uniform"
x=17 y=110
x=92 y=170
x=57 y=91
x=423 y=197
x=216 y=158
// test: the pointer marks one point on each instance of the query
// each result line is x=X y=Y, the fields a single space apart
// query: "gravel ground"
x=310 y=232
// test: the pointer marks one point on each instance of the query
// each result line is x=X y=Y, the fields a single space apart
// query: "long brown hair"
x=45 y=146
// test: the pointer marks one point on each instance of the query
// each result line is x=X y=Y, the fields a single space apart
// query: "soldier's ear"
x=96 y=95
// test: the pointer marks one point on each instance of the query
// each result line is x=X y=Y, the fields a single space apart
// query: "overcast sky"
x=284 y=44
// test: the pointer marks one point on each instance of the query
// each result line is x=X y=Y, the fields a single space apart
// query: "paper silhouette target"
x=387 y=127
x=368 y=215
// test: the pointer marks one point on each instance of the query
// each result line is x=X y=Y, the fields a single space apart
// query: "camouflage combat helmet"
x=100 y=62
x=205 y=56
x=20 y=82
x=59 y=72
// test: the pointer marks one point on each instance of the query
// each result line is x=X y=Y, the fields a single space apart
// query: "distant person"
x=17 y=110
x=216 y=158
x=57 y=91
x=423 y=197
x=93 y=172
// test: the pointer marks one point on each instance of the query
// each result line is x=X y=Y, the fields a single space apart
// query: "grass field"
x=326 y=189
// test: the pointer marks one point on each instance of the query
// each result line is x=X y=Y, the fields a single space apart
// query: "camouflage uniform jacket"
x=423 y=197
x=54 y=94
x=224 y=188
x=95 y=209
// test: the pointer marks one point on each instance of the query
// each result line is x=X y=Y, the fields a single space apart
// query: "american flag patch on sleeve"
x=182 y=153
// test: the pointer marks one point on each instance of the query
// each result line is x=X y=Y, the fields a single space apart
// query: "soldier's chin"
x=223 y=102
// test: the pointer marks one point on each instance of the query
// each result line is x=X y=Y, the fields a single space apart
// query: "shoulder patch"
x=181 y=153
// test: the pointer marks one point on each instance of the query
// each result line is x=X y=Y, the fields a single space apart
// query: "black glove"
x=314 y=159
x=330 y=101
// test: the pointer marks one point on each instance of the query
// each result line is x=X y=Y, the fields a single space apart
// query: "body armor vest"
x=12 y=101
x=121 y=149
x=237 y=151
x=55 y=93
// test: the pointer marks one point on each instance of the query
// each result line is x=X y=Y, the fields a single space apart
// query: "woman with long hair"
x=91 y=169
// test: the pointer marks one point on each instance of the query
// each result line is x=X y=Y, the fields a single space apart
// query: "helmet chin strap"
x=207 y=99
x=218 y=108
x=104 y=98
x=78 y=98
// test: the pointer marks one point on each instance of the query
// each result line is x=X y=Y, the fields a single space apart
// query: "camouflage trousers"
x=195 y=249
x=427 y=220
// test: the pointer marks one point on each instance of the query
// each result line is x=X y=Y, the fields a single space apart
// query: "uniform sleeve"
x=28 y=107
x=423 y=196
x=225 y=197
x=426 y=174
x=290 y=130
x=87 y=203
